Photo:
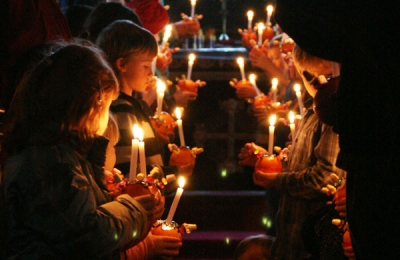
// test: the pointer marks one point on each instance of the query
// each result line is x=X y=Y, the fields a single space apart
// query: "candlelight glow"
x=272 y=120
x=269 y=8
x=291 y=117
x=136 y=131
x=296 y=87
x=274 y=82
x=192 y=57
x=167 y=32
x=181 y=182
x=250 y=15
x=252 y=78
x=240 y=62
x=160 y=86
x=178 y=113
x=260 y=27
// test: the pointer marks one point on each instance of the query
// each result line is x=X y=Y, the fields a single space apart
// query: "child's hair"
x=112 y=130
x=264 y=241
x=103 y=15
x=124 y=38
x=66 y=89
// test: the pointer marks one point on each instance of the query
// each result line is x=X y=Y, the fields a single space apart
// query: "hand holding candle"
x=292 y=126
x=250 y=15
x=175 y=202
x=299 y=100
x=160 y=96
x=240 y=62
x=134 y=154
x=272 y=121
x=192 y=57
x=178 y=114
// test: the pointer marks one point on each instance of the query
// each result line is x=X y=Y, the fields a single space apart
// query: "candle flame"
x=137 y=132
x=167 y=32
x=296 y=87
x=291 y=117
x=252 y=78
x=270 y=8
x=178 y=113
x=240 y=61
x=274 y=82
x=272 y=120
x=192 y=57
x=250 y=15
x=260 y=27
x=181 y=182
x=193 y=2
x=160 y=86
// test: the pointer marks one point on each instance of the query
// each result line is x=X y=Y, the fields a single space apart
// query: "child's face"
x=321 y=69
x=137 y=72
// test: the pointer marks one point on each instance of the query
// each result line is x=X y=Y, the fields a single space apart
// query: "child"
x=311 y=161
x=130 y=50
x=256 y=247
x=57 y=203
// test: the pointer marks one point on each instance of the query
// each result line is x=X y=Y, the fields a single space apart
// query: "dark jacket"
x=57 y=208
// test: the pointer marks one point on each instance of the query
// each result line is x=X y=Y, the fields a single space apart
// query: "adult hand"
x=263 y=179
x=182 y=98
x=188 y=27
x=154 y=206
x=248 y=154
x=165 y=247
x=340 y=206
x=261 y=113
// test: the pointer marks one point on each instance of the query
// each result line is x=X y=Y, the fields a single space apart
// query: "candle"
x=272 y=120
x=299 y=100
x=260 y=27
x=134 y=154
x=160 y=96
x=178 y=114
x=142 y=156
x=193 y=4
x=269 y=8
x=240 y=62
x=191 y=61
x=175 y=202
x=292 y=126
x=166 y=36
x=252 y=79
x=250 y=15
x=274 y=88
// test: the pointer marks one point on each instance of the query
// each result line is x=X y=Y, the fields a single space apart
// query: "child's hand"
x=248 y=154
x=165 y=247
x=261 y=113
x=182 y=98
x=263 y=179
x=153 y=206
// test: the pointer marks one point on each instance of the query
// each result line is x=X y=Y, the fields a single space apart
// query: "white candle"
x=252 y=79
x=260 y=27
x=274 y=88
x=134 y=154
x=250 y=15
x=178 y=114
x=175 y=202
x=240 y=62
x=142 y=155
x=193 y=5
x=160 y=96
x=166 y=36
x=272 y=120
x=292 y=126
x=269 y=8
x=299 y=100
x=191 y=61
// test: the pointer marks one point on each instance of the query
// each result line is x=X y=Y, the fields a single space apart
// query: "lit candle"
x=270 y=8
x=142 y=155
x=134 y=154
x=178 y=114
x=252 y=79
x=260 y=27
x=175 y=202
x=160 y=96
x=292 y=125
x=272 y=120
x=193 y=5
x=192 y=57
x=240 y=62
x=250 y=15
x=167 y=34
x=298 y=95
x=274 y=88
